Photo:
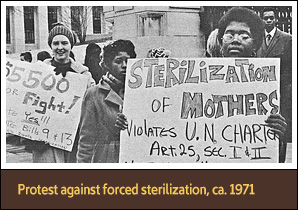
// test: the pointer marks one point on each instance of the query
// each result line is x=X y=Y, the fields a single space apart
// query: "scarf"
x=61 y=68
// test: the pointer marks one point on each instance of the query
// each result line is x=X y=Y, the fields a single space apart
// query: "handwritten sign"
x=200 y=110
x=43 y=106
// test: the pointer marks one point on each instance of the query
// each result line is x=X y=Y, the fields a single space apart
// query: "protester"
x=277 y=43
x=98 y=137
x=241 y=35
x=92 y=61
x=41 y=56
x=61 y=41
x=26 y=56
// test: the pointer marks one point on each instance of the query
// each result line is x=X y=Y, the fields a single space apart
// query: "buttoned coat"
x=280 y=46
x=98 y=137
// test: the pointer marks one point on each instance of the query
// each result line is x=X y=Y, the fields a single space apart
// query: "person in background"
x=99 y=139
x=213 y=46
x=41 y=56
x=92 y=61
x=278 y=44
x=61 y=40
x=240 y=34
x=26 y=56
x=159 y=53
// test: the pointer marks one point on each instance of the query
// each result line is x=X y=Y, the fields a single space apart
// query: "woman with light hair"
x=213 y=46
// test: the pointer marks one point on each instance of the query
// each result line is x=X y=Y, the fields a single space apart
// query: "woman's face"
x=118 y=66
x=61 y=48
x=237 y=40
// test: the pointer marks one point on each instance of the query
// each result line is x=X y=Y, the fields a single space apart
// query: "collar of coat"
x=112 y=96
x=272 y=32
x=79 y=68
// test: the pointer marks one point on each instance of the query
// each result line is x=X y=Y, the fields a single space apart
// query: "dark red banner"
x=143 y=189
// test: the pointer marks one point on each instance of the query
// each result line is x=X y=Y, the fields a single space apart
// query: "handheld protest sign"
x=204 y=110
x=43 y=106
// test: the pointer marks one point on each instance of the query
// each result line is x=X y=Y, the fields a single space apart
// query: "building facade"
x=27 y=27
x=174 y=28
x=183 y=30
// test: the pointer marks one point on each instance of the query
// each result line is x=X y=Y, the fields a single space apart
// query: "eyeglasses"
x=269 y=18
x=241 y=37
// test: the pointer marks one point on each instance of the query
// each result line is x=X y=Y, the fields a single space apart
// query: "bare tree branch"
x=80 y=20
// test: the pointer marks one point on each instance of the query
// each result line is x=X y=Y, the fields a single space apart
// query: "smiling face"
x=118 y=66
x=61 y=48
x=237 y=40
x=269 y=20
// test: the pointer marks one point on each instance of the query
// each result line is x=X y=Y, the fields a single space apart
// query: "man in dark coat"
x=278 y=44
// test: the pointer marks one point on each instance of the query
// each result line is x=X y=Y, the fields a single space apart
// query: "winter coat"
x=98 y=137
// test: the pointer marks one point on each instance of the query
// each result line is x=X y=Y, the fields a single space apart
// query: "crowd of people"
x=241 y=33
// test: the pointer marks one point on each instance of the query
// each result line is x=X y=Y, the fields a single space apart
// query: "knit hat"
x=61 y=29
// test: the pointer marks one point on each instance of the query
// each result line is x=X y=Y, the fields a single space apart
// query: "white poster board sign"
x=201 y=110
x=43 y=106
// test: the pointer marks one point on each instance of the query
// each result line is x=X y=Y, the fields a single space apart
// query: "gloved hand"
x=114 y=83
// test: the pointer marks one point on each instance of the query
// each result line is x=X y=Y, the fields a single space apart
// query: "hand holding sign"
x=277 y=123
x=121 y=121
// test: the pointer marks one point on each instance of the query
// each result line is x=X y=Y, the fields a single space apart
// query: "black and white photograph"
x=171 y=83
